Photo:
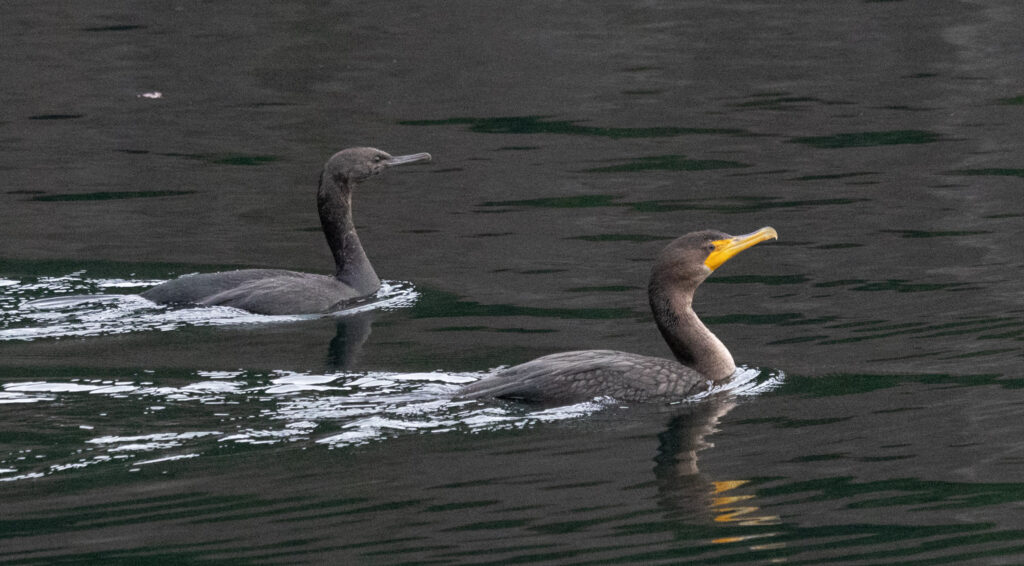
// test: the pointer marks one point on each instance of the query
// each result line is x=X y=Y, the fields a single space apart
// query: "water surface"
x=876 y=419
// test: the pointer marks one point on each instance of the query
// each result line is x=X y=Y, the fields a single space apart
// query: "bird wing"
x=583 y=375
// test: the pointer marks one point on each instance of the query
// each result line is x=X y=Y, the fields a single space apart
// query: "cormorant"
x=278 y=291
x=701 y=358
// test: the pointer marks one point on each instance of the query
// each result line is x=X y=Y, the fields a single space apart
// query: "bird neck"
x=692 y=343
x=334 y=202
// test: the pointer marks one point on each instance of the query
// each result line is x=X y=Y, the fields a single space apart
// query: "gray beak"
x=403 y=159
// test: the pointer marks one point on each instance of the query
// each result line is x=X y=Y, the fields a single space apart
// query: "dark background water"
x=571 y=141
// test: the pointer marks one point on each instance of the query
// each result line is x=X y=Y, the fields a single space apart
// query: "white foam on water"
x=331 y=410
x=74 y=305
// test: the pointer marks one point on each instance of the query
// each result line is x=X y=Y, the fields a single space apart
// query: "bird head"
x=357 y=164
x=692 y=257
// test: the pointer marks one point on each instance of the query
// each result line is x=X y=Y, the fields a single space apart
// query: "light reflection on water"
x=75 y=305
x=330 y=410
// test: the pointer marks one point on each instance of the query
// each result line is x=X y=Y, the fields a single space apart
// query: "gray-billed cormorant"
x=701 y=358
x=278 y=291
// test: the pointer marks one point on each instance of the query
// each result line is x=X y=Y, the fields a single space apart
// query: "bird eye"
x=377 y=158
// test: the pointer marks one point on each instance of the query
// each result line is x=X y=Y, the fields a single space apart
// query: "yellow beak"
x=725 y=249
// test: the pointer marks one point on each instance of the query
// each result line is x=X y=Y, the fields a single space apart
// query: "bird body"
x=701 y=358
x=585 y=374
x=278 y=291
x=263 y=291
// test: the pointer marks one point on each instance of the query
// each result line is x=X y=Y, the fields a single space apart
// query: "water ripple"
x=74 y=305
x=225 y=410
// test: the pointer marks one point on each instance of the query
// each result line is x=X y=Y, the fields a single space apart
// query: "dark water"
x=878 y=417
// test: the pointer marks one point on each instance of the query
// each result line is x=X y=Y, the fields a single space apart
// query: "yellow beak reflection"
x=725 y=249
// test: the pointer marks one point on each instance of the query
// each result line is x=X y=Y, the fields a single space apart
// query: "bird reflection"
x=351 y=333
x=686 y=492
